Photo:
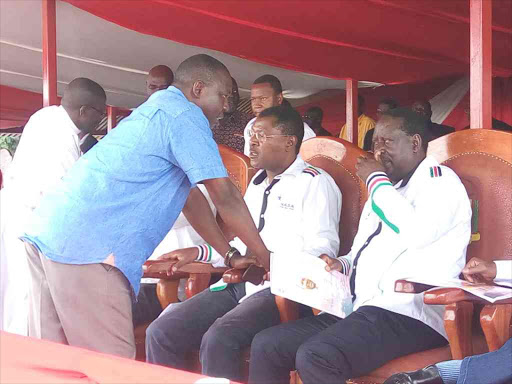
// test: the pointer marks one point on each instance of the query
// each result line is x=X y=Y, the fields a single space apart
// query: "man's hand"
x=332 y=264
x=366 y=166
x=479 y=271
x=181 y=256
x=242 y=262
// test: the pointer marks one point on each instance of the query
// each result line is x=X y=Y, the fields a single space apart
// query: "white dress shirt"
x=503 y=272
x=49 y=146
x=425 y=231
x=308 y=134
x=303 y=206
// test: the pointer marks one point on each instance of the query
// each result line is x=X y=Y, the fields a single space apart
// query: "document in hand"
x=491 y=293
x=303 y=278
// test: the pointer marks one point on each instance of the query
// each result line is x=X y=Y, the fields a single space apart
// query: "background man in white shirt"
x=416 y=222
x=266 y=92
x=49 y=146
x=296 y=208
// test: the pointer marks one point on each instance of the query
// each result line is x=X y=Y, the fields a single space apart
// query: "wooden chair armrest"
x=458 y=319
x=496 y=324
x=233 y=276
x=288 y=309
x=158 y=269
x=404 y=286
x=445 y=296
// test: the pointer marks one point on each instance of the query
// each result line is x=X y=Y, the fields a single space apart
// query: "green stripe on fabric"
x=379 y=211
x=209 y=252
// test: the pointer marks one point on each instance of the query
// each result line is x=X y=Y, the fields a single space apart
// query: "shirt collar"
x=422 y=169
x=293 y=170
x=70 y=123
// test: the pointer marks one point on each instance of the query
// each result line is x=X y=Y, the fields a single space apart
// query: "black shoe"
x=427 y=375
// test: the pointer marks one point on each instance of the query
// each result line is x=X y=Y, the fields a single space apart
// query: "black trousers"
x=147 y=307
x=216 y=324
x=325 y=349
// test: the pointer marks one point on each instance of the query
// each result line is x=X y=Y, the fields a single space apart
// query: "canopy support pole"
x=480 y=64
x=352 y=111
x=49 y=53
x=111 y=118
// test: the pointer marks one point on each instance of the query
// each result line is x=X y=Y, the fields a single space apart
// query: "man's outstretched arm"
x=234 y=212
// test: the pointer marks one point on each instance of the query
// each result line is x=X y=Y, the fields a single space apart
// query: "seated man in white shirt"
x=416 y=222
x=266 y=92
x=49 y=146
x=296 y=208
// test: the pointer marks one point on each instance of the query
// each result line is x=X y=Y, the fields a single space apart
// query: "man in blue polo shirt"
x=91 y=235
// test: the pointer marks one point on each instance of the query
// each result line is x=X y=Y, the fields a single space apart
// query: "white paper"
x=303 y=278
x=491 y=293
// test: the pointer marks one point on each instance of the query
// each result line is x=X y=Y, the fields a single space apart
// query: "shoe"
x=427 y=375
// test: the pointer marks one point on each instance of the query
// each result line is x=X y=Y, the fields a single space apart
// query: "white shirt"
x=426 y=227
x=308 y=134
x=302 y=214
x=503 y=272
x=49 y=146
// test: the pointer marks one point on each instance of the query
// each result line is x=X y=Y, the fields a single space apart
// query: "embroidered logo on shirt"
x=288 y=206
x=435 y=172
x=311 y=171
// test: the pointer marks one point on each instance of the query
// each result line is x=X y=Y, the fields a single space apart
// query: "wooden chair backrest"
x=338 y=158
x=238 y=166
x=482 y=158
x=240 y=173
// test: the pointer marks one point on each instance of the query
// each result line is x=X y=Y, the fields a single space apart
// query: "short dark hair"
x=274 y=82
x=389 y=101
x=413 y=123
x=288 y=121
x=199 y=67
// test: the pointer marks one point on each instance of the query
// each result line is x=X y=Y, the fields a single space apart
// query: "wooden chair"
x=483 y=160
x=337 y=157
x=198 y=275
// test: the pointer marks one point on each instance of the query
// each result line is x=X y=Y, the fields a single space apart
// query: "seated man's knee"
x=265 y=343
x=217 y=337
x=313 y=354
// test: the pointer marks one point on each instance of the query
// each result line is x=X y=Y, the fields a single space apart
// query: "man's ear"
x=197 y=88
x=280 y=99
x=291 y=143
x=417 y=143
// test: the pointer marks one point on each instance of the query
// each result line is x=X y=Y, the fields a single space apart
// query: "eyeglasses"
x=101 y=113
x=262 y=136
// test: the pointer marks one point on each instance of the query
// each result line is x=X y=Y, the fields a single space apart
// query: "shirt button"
x=266 y=193
x=262 y=216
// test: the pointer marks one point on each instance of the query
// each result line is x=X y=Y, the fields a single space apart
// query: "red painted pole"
x=49 y=53
x=352 y=111
x=111 y=118
x=481 y=64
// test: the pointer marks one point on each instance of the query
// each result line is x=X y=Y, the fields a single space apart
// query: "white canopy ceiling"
x=116 y=57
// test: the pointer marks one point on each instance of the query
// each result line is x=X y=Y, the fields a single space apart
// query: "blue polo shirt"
x=124 y=195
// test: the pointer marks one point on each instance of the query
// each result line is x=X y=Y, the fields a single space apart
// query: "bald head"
x=206 y=82
x=200 y=67
x=159 y=77
x=85 y=102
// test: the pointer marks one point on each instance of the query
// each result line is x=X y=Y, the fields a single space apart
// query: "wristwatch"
x=229 y=255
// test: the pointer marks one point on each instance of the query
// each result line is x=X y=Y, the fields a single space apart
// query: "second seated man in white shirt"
x=49 y=146
x=266 y=92
x=296 y=208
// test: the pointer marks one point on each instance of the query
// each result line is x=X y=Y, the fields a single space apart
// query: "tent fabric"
x=16 y=106
x=386 y=41
x=28 y=360
x=444 y=103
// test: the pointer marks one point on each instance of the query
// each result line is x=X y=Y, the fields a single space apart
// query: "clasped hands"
x=186 y=256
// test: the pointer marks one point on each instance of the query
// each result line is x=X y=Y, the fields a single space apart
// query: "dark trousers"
x=147 y=307
x=216 y=324
x=325 y=349
x=489 y=368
